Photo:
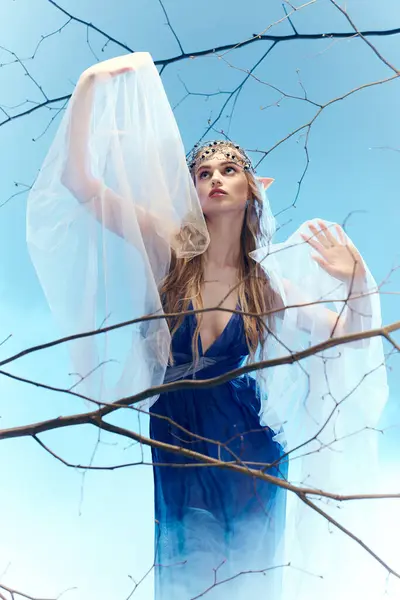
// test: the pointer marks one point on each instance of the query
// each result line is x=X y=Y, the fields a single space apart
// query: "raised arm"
x=107 y=206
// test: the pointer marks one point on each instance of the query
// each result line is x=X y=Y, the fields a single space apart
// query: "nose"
x=216 y=178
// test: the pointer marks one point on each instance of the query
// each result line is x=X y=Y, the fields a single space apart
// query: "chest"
x=218 y=290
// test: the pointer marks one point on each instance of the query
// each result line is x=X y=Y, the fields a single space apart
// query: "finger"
x=314 y=244
x=123 y=70
x=328 y=234
x=322 y=263
x=341 y=235
x=319 y=236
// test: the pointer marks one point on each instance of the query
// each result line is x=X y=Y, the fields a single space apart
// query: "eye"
x=230 y=169
x=203 y=174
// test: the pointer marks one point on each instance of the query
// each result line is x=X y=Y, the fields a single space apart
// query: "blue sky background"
x=59 y=528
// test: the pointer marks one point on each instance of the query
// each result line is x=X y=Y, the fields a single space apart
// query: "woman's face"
x=221 y=186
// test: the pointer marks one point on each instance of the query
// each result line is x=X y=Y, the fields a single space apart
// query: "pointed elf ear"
x=266 y=181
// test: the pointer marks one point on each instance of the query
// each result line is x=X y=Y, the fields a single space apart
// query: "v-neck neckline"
x=219 y=336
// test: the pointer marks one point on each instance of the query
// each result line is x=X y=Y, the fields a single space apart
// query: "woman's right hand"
x=112 y=67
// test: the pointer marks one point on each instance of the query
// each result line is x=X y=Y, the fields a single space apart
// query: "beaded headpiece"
x=222 y=149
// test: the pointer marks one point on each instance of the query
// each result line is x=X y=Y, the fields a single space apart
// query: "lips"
x=217 y=192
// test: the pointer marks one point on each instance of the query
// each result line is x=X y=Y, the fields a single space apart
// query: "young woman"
x=192 y=237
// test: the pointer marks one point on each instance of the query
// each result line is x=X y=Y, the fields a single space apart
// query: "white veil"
x=118 y=157
x=329 y=405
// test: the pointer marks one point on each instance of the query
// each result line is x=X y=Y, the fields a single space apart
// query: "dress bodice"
x=227 y=352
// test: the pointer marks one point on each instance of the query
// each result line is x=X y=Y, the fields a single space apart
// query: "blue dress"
x=218 y=534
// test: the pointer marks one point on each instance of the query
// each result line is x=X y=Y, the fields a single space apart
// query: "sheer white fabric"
x=328 y=405
x=100 y=226
x=104 y=212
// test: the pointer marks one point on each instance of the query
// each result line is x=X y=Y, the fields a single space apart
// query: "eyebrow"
x=225 y=162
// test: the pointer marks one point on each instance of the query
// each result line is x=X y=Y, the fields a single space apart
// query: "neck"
x=225 y=243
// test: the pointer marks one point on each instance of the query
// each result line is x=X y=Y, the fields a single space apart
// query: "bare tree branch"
x=254 y=39
x=15 y=594
x=364 y=37
x=91 y=26
x=310 y=496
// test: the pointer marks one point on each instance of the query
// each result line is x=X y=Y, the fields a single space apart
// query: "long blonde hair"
x=255 y=294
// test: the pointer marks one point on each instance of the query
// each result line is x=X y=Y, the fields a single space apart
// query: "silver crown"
x=221 y=148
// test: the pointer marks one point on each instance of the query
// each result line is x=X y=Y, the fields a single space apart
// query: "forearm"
x=77 y=175
x=115 y=207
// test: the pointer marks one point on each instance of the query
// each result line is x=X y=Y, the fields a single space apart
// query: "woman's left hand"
x=336 y=256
